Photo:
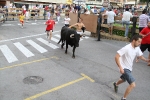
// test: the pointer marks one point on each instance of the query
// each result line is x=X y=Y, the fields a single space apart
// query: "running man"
x=67 y=20
x=21 y=19
x=124 y=59
x=145 y=33
x=80 y=27
x=50 y=26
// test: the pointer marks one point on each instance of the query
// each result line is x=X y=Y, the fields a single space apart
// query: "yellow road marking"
x=59 y=87
x=87 y=77
x=26 y=63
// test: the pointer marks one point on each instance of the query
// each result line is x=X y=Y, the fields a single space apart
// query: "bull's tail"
x=59 y=41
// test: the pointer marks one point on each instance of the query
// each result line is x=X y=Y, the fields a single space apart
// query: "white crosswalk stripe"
x=48 y=44
x=54 y=39
x=24 y=50
x=57 y=35
x=7 y=25
x=36 y=46
x=8 y=54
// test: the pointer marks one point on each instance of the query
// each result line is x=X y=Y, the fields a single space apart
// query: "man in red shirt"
x=145 y=44
x=50 y=26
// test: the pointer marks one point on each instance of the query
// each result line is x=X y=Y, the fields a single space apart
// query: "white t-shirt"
x=127 y=55
x=27 y=14
x=87 y=12
x=110 y=16
x=92 y=10
x=67 y=20
x=126 y=16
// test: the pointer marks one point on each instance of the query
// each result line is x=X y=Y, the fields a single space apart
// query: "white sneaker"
x=22 y=27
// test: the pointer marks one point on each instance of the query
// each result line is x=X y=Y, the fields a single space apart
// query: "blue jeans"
x=127 y=23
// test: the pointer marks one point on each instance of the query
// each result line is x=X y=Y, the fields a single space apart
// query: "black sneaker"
x=122 y=98
x=115 y=87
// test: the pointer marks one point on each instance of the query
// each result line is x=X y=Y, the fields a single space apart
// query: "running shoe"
x=115 y=87
x=122 y=98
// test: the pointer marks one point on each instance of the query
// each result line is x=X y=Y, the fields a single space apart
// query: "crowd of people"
x=125 y=56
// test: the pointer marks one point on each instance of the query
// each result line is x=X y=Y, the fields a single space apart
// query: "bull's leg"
x=62 y=45
x=73 y=55
x=66 y=48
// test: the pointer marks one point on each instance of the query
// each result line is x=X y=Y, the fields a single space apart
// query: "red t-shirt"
x=50 y=24
x=146 y=39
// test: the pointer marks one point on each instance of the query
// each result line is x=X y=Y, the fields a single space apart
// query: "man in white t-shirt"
x=124 y=59
x=67 y=20
x=126 y=21
x=110 y=20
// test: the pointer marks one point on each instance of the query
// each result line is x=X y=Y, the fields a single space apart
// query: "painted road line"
x=36 y=46
x=55 y=40
x=81 y=39
x=57 y=88
x=86 y=37
x=8 y=54
x=33 y=23
x=90 y=79
x=7 y=25
x=47 y=43
x=23 y=49
x=57 y=35
x=26 y=37
x=27 y=63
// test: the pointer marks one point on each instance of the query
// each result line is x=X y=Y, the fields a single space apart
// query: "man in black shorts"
x=145 y=33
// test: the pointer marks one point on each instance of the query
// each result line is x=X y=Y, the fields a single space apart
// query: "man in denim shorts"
x=124 y=59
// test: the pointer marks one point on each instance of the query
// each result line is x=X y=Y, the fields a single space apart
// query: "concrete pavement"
x=62 y=78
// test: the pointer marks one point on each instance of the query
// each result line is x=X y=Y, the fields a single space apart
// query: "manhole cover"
x=33 y=80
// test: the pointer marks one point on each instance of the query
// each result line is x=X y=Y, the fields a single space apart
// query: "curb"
x=113 y=37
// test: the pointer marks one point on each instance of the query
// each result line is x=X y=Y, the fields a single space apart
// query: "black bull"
x=71 y=38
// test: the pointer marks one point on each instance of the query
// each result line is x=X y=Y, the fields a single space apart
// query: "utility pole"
x=12 y=2
x=147 y=7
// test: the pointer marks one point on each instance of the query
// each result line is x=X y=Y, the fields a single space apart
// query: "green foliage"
x=144 y=0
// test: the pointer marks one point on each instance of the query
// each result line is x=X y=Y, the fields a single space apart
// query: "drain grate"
x=33 y=80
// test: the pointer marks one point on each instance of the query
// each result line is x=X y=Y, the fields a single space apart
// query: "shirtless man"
x=80 y=27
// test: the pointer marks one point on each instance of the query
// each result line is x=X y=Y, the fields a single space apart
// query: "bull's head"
x=72 y=36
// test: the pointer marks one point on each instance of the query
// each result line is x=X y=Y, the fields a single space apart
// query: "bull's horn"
x=71 y=36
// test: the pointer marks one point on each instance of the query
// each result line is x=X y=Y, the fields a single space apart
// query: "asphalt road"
x=32 y=69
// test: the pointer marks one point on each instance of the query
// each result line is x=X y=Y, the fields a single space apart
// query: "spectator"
x=92 y=9
x=87 y=11
x=126 y=21
x=58 y=15
x=143 y=20
x=27 y=16
x=145 y=44
x=135 y=13
x=110 y=20
x=48 y=15
x=102 y=9
x=95 y=10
